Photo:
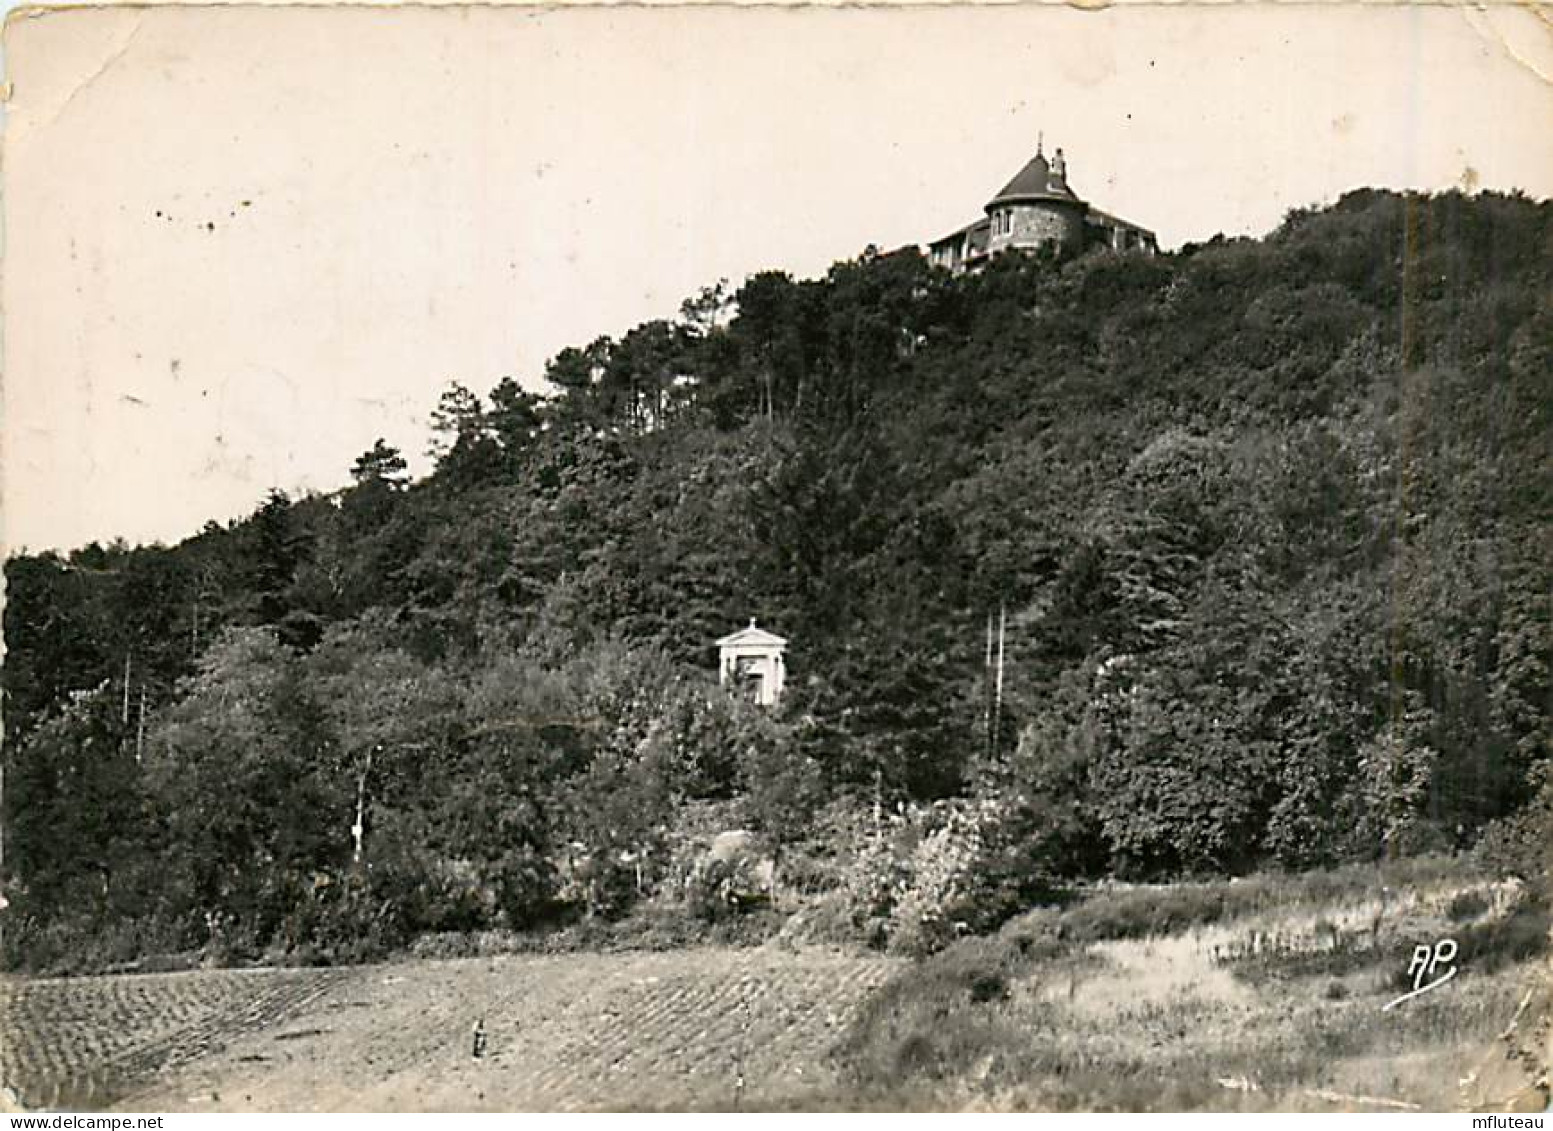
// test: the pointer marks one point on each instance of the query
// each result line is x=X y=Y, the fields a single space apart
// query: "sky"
x=243 y=243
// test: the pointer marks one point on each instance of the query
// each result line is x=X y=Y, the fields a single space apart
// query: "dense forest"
x=1262 y=525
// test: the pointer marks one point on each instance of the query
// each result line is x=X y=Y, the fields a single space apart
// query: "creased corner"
x=1480 y=20
x=108 y=63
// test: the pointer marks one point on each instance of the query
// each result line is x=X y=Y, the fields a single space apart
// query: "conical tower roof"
x=1033 y=182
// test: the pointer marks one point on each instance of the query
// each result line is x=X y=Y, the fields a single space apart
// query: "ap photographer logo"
x=1425 y=964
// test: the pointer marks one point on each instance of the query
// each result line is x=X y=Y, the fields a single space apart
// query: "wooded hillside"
x=1265 y=522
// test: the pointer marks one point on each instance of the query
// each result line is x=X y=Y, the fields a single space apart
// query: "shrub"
x=722 y=889
x=60 y=945
x=1496 y=943
x=1465 y=905
x=942 y=881
x=1130 y=913
x=341 y=921
x=934 y=873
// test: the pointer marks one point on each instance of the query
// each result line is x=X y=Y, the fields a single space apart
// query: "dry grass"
x=1263 y=994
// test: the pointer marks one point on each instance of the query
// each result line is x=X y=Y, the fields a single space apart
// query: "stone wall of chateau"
x=1038 y=224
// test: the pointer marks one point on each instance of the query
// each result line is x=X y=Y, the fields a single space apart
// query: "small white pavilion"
x=750 y=662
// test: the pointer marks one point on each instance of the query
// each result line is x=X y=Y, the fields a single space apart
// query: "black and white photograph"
x=777 y=558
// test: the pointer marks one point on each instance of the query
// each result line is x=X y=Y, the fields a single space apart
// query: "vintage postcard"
x=777 y=558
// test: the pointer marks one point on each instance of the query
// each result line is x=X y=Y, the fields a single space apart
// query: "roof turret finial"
x=1040 y=141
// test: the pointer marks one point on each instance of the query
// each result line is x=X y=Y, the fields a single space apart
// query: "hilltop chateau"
x=1036 y=209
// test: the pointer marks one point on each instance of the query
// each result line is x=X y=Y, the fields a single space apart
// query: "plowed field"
x=701 y=1028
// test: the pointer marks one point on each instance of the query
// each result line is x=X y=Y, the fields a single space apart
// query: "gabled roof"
x=752 y=636
x=1105 y=219
x=959 y=233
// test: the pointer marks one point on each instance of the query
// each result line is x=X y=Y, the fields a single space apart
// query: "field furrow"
x=700 y=1028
